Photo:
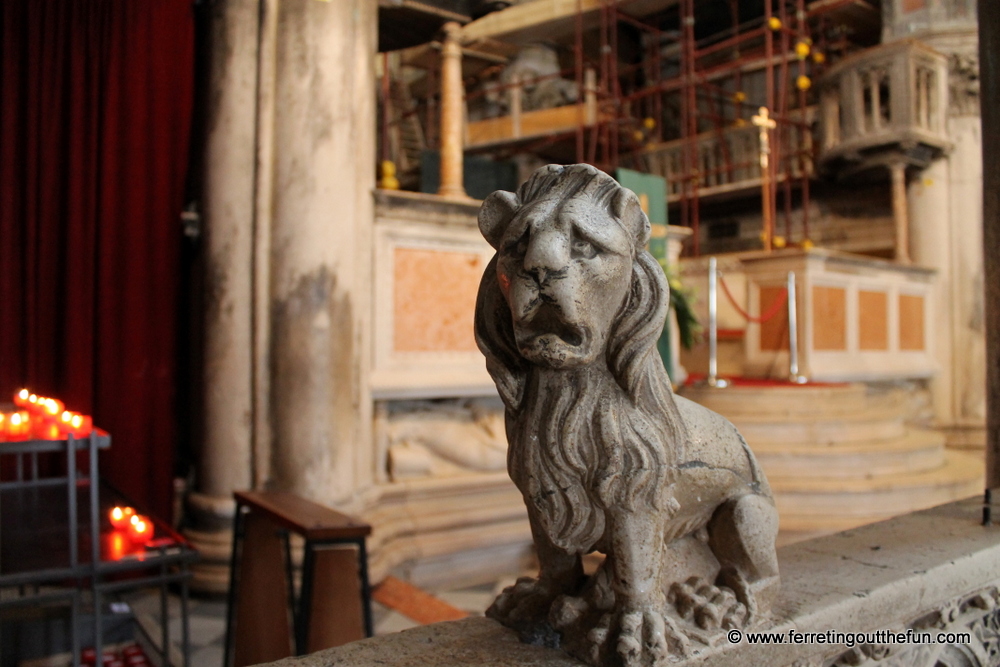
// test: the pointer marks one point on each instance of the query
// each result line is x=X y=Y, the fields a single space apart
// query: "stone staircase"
x=841 y=455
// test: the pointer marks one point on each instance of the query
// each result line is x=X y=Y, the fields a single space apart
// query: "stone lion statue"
x=607 y=458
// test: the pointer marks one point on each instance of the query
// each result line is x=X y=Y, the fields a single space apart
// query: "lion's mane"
x=560 y=421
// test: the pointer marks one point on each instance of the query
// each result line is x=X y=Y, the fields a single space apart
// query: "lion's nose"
x=547 y=254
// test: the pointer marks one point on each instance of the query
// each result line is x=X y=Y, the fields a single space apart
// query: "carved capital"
x=963 y=84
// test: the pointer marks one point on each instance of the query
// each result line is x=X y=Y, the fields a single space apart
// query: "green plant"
x=681 y=299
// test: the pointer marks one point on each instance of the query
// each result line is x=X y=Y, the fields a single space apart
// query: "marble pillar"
x=452 y=116
x=289 y=175
x=930 y=245
x=321 y=236
x=900 y=215
x=224 y=463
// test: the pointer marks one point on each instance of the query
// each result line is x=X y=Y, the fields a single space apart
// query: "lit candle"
x=19 y=426
x=121 y=517
x=75 y=423
x=51 y=407
x=46 y=429
x=21 y=398
x=140 y=529
x=117 y=545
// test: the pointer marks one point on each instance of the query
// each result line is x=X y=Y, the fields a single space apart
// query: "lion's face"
x=564 y=268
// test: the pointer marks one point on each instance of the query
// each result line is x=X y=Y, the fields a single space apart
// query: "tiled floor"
x=207 y=619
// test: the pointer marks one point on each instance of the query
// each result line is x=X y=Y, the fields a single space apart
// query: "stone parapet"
x=933 y=571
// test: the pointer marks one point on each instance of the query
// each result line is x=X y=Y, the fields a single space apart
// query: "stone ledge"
x=881 y=576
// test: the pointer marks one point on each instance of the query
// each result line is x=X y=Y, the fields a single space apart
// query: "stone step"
x=867 y=426
x=785 y=401
x=833 y=503
x=914 y=452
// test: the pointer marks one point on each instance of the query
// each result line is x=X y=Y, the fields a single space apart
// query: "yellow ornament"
x=648 y=123
x=808 y=245
x=779 y=242
x=801 y=50
x=819 y=57
x=638 y=135
x=739 y=96
x=389 y=180
x=774 y=23
x=803 y=82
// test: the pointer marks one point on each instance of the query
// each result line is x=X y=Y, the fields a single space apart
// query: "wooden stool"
x=265 y=622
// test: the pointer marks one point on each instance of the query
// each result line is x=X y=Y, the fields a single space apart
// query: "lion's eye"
x=520 y=246
x=583 y=248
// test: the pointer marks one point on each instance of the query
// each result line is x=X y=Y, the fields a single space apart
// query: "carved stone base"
x=210 y=532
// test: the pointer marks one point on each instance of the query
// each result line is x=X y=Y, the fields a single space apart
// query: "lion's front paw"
x=709 y=606
x=527 y=601
x=640 y=637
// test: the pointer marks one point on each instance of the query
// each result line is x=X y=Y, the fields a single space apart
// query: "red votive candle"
x=51 y=407
x=76 y=424
x=18 y=425
x=132 y=649
x=21 y=398
x=121 y=517
x=140 y=529
x=46 y=428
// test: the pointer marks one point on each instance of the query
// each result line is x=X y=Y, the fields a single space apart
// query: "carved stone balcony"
x=883 y=105
x=727 y=162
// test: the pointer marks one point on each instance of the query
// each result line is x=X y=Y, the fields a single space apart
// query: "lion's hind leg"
x=742 y=536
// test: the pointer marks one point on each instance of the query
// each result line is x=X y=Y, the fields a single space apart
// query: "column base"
x=211 y=533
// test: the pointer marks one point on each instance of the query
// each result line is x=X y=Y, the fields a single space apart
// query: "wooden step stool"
x=266 y=621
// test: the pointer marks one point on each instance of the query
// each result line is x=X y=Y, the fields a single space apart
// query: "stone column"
x=452 y=117
x=900 y=215
x=321 y=248
x=224 y=462
x=930 y=243
x=989 y=46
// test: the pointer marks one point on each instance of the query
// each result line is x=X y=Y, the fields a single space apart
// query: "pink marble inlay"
x=435 y=298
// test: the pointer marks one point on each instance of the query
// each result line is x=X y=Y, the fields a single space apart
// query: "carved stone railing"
x=728 y=161
x=890 y=99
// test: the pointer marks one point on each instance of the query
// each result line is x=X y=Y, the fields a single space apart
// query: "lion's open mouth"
x=548 y=321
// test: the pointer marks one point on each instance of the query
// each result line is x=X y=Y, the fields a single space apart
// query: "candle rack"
x=52 y=533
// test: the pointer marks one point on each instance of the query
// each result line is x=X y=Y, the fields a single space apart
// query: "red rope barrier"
x=775 y=307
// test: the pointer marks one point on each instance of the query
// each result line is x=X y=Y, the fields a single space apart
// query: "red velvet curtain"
x=95 y=114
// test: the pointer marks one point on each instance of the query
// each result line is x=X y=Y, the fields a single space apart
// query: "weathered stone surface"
x=470 y=642
x=606 y=457
x=934 y=570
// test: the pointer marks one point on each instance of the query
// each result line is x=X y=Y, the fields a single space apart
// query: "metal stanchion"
x=713 y=326
x=793 y=334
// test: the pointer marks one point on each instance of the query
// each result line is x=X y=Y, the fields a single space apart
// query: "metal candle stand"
x=171 y=560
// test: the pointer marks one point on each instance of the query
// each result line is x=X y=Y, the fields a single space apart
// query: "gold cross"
x=765 y=123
